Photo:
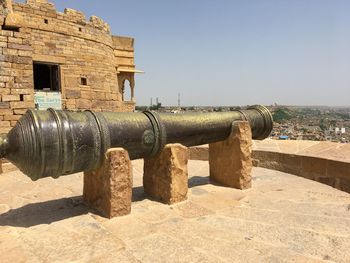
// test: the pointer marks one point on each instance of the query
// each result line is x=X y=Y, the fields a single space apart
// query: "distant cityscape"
x=317 y=123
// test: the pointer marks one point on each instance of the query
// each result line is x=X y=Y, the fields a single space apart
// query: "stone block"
x=21 y=104
x=19 y=111
x=290 y=163
x=83 y=104
x=12 y=117
x=5 y=129
x=85 y=94
x=338 y=169
x=5 y=124
x=199 y=153
x=314 y=167
x=165 y=175
x=75 y=14
x=4 y=105
x=13 y=20
x=230 y=160
x=73 y=94
x=6 y=111
x=10 y=97
x=108 y=189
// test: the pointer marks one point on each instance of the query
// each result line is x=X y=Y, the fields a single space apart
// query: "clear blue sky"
x=226 y=52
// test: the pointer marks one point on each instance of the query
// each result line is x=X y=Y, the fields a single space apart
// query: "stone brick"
x=230 y=160
x=4 y=105
x=84 y=104
x=14 y=20
x=100 y=95
x=5 y=124
x=86 y=94
x=16 y=91
x=20 y=46
x=22 y=104
x=109 y=188
x=4 y=91
x=12 y=117
x=73 y=94
x=166 y=176
x=10 y=97
x=13 y=123
x=80 y=47
x=19 y=112
x=6 y=111
x=4 y=129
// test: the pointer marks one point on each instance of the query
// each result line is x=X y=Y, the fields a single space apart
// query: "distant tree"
x=235 y=108
x=141 y=108
x=323 y=127
x=156 y=106
x=281 y=115
x=333 y=123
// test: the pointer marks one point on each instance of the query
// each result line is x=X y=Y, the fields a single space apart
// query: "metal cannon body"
x=54 y=143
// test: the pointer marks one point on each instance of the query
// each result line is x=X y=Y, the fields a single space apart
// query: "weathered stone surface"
x=13 y=20
x=86 y=52
x=199 y=152
x=325 y=163
x=109 y=188
x=230 y=160
x=165 y=175
x=282 y=218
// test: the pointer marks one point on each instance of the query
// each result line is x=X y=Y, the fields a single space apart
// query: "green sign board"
x=48 y=99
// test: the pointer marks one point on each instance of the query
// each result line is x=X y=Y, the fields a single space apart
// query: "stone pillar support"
x=165 y=175
x=108 y=189
x=230 y=160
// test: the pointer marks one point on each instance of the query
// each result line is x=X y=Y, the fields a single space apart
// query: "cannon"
x=56 y=142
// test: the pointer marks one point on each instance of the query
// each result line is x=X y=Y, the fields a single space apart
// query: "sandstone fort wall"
x=93 y=64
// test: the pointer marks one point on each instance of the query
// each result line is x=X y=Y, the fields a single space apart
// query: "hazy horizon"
x=234 y=52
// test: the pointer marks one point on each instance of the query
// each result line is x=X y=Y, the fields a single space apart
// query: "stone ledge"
x=324 y=162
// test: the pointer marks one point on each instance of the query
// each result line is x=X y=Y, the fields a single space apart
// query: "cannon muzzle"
x=54 y=143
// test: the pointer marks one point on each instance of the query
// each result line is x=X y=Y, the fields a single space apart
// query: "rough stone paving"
x=93 y=64
x=282 y=218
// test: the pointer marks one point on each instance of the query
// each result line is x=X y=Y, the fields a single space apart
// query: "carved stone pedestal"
x=165 y=175
x=230 y=160
x=109 y=188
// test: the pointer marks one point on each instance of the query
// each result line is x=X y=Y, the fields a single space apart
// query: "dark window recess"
x=83 y=81
x=46 y=21
x=46 y=77
x=80 y=29
x=21 y=97
x=10 y=28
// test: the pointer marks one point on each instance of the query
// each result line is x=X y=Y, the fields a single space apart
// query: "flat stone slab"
x=322 y=149
x=282 y=218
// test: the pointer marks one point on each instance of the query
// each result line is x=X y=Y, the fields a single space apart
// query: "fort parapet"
x=61 y=60
x=324 y=162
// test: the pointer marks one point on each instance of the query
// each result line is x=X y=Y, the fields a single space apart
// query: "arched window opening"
x=127 y=91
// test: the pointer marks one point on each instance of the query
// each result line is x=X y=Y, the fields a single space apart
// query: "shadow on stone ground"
x=55 y=210
x=44 y=212
x=198 y=180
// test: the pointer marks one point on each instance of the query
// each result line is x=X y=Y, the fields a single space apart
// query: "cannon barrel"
x=55 y=142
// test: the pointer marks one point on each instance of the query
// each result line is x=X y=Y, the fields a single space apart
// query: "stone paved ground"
x=283 y=218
